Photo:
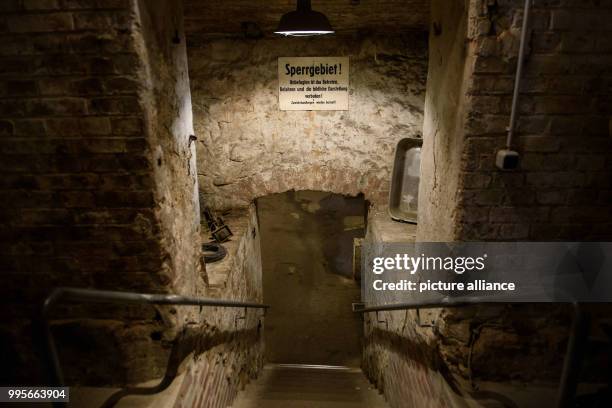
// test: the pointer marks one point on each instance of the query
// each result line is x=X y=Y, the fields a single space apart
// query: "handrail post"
x=573 y=358
x=574 y=351
x=56 y=377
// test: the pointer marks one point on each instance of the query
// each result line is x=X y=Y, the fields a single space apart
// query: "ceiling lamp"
x=304 y=22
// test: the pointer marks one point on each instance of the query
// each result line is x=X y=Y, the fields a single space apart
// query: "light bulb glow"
x=302 y=33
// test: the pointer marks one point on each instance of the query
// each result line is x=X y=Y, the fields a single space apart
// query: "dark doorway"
x=307 y=251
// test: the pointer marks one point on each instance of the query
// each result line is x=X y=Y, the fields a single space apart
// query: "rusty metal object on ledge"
x=219 y=231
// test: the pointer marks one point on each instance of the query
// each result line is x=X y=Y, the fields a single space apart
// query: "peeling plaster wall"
x=561 y=189
x=443 y=122
x=169 y=120
x=248 y=148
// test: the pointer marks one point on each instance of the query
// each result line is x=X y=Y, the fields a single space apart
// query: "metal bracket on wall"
x=382 y=321
x=357 y=306
x=240 y=317
x=420 y=322
x=243 y=317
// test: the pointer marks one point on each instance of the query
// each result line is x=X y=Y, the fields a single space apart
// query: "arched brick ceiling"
x=225 y=16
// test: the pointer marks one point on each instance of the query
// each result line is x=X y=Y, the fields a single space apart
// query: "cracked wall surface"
x=562 y=188
x=248 y=148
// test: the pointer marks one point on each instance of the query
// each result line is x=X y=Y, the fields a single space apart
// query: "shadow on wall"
x=307 y=249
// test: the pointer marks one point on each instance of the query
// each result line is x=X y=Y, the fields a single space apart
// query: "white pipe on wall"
x=519 y=74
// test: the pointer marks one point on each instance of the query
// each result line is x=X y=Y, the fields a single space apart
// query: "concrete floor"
x=307 y=249
x=309 y=387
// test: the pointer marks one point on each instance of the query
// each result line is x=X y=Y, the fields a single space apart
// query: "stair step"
x=312 y=387
x=304 y=404
x=307 y=396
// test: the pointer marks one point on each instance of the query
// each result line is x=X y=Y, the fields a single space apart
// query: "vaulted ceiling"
x=225 y=17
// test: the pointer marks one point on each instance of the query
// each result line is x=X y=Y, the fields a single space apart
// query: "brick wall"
x=166 y=98
x=94 y=150
x=562 y=190
x=400 y=351
x=445 y=107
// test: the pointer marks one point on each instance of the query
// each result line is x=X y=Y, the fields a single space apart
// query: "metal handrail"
x=105 y=296
x=429 y=304
x=573 y=353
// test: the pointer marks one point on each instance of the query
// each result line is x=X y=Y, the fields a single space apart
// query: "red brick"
x=476 y=180
x=6 y=127
x=555 y=179
x=19 y=88
x=99 y=20
x=127 y=126
x=34 y=23
x=533 y=143
x=118 y=105
x=95 y=126
x=55 y=106
x=513 y=231
x=562 y=104
x=95 y=4
x=41 y=4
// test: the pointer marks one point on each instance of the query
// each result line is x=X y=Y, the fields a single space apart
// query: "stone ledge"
x=242 y=222
x=383 y=229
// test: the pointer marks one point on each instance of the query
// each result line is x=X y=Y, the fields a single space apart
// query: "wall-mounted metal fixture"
x=251 y=30
x=304 y=22
x=574 y=351
x=508 y=159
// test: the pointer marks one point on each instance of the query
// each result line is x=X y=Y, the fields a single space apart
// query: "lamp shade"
x=304 y=22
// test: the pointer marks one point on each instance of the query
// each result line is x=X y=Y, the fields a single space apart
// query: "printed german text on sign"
x=313 y=83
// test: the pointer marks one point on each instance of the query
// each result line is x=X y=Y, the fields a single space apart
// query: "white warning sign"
x=313 y=83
